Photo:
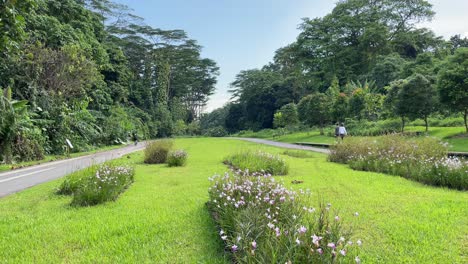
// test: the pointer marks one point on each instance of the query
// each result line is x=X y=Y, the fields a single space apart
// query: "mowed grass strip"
x=162 y=217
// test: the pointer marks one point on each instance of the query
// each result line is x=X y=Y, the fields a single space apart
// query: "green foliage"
x=93 y=73
x=424 y=159
x=156 y=152
x=366 y=128
x=179 y=128
x=218 y=131
x=261 y=221
x=286 y=116
x=177 y=158
x=453 y=85
x=97 y=184
x=75 y=180
x=258 y=161
x=314 y=109
x=106 y=184
x=13 y=120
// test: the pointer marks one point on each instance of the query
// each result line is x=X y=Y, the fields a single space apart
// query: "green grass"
x=162 y=217
x=49 y=158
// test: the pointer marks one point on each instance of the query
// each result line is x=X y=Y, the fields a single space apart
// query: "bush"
x=261 y=221
x=73 y=181
x=258 y=161
x=365 y=128
x=106 y=184
x=177 y=158
x=218 y=131
x=97 y=184
x=422 y=159
x=156 y=152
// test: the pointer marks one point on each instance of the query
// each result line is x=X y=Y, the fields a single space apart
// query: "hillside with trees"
x=365 y=61
x=92 y=72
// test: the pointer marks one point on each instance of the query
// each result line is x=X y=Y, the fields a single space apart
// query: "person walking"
x=135 y=137
x=342 y=131
x=337 y=130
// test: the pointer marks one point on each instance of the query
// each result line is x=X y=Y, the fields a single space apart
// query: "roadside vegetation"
x=422 y=159
x=261 y=221
x=97 y=184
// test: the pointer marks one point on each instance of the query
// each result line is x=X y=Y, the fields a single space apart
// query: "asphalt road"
x=284 y=145
x=17 y=180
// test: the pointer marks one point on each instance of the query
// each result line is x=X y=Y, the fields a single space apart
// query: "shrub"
x=365 y=128
x=177 y=158
x=422 y=159
x=73 y=181
x=298 y=154
x=108 y=182
x=258 y=161
x=261 y=221
x=218 y=131
x=97 y=184
x=156 y=152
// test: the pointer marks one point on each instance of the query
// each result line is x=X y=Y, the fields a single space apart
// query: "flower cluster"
x=262 y=221
x=424 y=160
x=105 y=184
x=177 y=158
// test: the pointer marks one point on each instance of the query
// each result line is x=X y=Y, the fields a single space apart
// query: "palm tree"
x=11 y=112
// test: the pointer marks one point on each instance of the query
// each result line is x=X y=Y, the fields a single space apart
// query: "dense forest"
x=368 y=60
x=92 y=72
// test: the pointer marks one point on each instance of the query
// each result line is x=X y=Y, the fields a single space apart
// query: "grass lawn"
x=49 y=158
x=162 y=217
x=453 y=135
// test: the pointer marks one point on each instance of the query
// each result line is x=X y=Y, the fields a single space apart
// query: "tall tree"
x=453 y=83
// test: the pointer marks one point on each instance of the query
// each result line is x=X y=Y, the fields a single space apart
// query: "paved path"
x=283 y=145
x=17 y=180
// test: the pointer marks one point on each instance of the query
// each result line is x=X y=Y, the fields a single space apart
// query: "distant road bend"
x=20 y=179
x=283 y=145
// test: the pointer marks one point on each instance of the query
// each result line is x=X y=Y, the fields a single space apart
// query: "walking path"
x=17 y=180
x=283 y=145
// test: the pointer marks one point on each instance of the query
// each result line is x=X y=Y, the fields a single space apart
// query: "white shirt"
x=342 y=130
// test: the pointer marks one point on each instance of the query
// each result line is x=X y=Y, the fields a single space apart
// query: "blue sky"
x=244 y=34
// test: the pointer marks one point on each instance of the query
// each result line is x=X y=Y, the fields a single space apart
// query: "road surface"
x=20 y=179
x=283 y=145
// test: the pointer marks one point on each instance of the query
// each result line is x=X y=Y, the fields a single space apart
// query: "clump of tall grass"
x=261 y=221
x=156 y=152
x=421 y=159
x=177 y=158
x=97 y=184
x=258 y=161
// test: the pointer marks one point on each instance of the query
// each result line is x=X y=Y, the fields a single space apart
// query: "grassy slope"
x=162 y=217
x=448 y=134
x=49 y=158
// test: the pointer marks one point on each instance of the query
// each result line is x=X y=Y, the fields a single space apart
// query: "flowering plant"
x=424 y=160
x=261 y=221
x=177 y=158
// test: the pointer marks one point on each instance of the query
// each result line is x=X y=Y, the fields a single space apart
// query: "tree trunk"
x=465 y=118
x=402 y=124
x=427 y=124
x=321 y=130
